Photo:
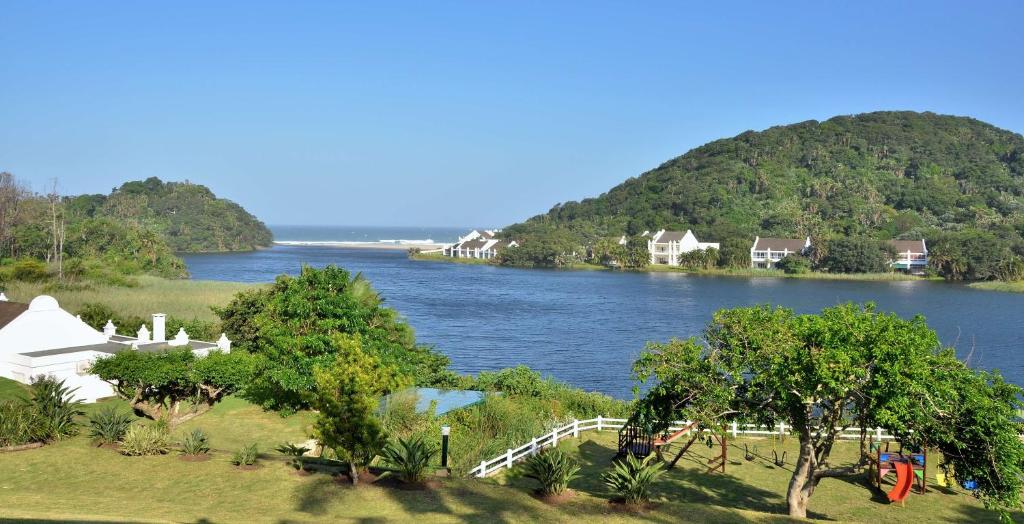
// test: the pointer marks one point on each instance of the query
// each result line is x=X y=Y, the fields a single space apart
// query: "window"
x=760 y=254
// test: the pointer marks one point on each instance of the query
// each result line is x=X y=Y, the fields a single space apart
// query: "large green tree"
x=849 y=366
x=291 y=329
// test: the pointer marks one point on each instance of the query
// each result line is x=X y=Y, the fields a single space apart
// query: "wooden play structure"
x=908 y=467
x=636 y=440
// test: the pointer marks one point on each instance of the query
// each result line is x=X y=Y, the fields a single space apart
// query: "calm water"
x=586 y=327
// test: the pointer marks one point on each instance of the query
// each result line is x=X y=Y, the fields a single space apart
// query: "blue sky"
x=460 y=113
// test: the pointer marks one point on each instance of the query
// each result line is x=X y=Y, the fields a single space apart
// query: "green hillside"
x=188 y=216
x=876 y=175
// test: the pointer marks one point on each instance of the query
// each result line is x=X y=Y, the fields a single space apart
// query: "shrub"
x=794 y=265
x=247 y=456
x=28 y=270
x=631 y=479
x=411 y=458
x=552 y=469
x=195 y=443
x=294 y=452
x=109 y=425
x=51 y=402
x=19 y=424
x=142 y=440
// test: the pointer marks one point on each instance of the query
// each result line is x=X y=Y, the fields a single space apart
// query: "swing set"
x=635 y=440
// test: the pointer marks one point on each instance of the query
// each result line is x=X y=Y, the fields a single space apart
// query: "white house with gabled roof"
x=478 y=244
x=40 y=338
x=666 y=246
x=767 y=251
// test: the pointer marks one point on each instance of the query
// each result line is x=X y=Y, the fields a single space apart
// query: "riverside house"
x=478 y=244
x=666 y=246
x=40 y=338
x=767 y=251
x=911 y=256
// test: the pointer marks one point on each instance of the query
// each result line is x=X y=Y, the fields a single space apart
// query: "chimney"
x=143 y=334
x=109 y=330
x=181 y=339
x=159 y=327
x=3 y=297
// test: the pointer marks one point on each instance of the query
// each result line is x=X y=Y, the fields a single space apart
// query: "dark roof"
x=10 y=311
x=913 y=246
x=795 y=245
x=472 y=244
x=106 y=347
x=671 y=236
x=487 y=234
x=501 y=244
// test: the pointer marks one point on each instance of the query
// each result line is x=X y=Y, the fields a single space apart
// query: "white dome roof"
x=43 y=303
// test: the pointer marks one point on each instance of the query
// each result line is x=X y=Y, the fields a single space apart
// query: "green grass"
x=774 y=273
x=99 y=484
x=186 y=299
x=1009 y=287
x=438 y=257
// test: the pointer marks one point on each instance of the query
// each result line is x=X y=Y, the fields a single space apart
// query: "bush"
x=152 y=439
x=195 y=443
x=294 y=452
x=856 y=255
x=794 y=265
x=109 y=425
x=552 y=469
x=28 y=270
x=19 y=424
x=247 y=456
x=631 y=479
x=411 y=458
x=56 y=412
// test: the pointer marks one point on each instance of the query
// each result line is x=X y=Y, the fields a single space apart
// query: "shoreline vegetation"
x=731 y=272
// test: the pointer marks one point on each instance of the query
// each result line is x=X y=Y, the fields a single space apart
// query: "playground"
x=754 y=481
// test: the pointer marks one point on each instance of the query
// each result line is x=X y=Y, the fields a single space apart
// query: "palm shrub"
x=150 y=439
x=552 y=469
x=410 y=458
x=51 y=400
x=246 y=456
x=109 y=425
x=195 y=443
x=19 y=424
x=631 y=479
x=294 y=452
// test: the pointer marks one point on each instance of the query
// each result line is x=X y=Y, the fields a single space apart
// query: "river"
x=586 y=327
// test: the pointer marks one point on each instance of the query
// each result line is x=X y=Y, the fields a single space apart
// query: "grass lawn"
x=185 y=299
x=83 y=482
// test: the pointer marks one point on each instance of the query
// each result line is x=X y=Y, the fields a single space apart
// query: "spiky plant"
x=195 y=443
x=52 y=401
x=247 y=456
x=150 y=439
x=552 y=469
x=410 y=458
x=631 y=479
x=295 y=452
x=109 y=425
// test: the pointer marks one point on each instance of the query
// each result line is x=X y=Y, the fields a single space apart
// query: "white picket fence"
x=550 y=440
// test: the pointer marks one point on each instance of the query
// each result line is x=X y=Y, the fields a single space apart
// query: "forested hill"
x=880 y=175
x=188 y=216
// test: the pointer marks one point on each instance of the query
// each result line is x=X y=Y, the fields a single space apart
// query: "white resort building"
x=478 y=244
x=666 y=246
x=767 y=251
x=911 y=256
x=40 y=338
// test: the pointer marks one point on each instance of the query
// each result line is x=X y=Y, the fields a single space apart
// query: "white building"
x=911 y=256
x=666 y=246
x=767 y=251
x=40 y=338
x=478 y=244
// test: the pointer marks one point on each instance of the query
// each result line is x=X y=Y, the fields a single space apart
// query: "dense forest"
x=136 y=229
x=955 y=181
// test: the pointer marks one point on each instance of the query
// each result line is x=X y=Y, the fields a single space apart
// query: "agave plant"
x=247 y=456
x=410 y=458
x=552 y=469
x=51 y=400
x=19 y=424
x=295 y=452
x=631 y=479
x=109 y=425
x=195 y=443
x=150 y=439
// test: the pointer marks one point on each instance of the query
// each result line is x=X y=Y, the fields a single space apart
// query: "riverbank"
x=1007 y=287
x=438 y=257
x=184 y=299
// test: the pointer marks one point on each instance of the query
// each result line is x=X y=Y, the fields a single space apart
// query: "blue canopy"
x=446 y=399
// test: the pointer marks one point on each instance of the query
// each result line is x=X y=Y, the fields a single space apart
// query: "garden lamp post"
x=445 y=431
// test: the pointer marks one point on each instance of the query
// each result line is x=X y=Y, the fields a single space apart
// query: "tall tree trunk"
x=803 y=481
x=353 y=472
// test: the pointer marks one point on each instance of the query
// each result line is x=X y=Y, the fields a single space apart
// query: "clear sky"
x=461 y=113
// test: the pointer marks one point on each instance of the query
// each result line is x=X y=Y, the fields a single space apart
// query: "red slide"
x=904 y=479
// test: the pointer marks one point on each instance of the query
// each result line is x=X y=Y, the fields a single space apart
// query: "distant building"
x=767 y=251
x=666 y=246
x=911 y=256
x=40 y=338
x=478 y=244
